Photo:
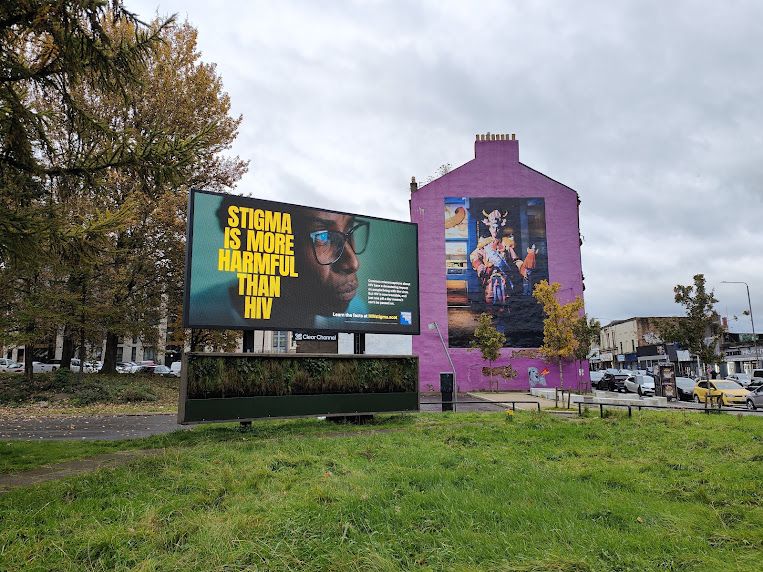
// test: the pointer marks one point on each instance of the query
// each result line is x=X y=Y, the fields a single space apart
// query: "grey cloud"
x=650 y=109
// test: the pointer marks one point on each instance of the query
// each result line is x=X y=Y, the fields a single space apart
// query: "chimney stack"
x=504 y=147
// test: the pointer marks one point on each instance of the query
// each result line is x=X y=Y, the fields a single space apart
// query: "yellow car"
x=722 y=390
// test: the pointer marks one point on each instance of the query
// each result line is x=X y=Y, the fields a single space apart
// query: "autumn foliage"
x=559 y=340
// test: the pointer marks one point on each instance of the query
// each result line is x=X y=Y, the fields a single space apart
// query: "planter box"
x=397 y=394
x=244 y=408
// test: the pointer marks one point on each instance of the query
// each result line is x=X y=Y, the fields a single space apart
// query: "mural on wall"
x=495 y=252
x=537 y=378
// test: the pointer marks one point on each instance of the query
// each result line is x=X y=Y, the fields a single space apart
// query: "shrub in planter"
x=216 y=377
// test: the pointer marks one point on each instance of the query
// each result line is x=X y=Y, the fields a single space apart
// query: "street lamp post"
x=435 y=326
x=752 y=320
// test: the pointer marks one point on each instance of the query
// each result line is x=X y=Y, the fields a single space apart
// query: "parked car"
x=175 y=367
x=87 y=368
x=743 y=379
x=162 y=370
x=126 y=366
x=40 y=367
x=15 y=368
x=613 y=381
x=757 y=375
x=5 y=363
x=721 y=391
x=755 y=398
x=641 y=384
x=685 y=388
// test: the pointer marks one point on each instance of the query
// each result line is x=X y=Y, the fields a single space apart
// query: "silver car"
x=755 y=399
x=641 y=384
x=743 y=379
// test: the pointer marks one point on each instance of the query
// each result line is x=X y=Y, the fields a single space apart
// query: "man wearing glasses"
x=330 y=266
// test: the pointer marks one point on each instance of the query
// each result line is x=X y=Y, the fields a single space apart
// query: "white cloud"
x=650 y=109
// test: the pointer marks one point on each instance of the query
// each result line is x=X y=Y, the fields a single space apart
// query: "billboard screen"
x=273 y=266
x=495 y=252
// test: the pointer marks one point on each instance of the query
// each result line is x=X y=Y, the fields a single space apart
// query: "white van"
x=175 y=368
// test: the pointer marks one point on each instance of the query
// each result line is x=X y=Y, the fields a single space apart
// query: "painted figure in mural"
x=536 y=378
x=525 y=268
x=493 y=254
x=498 y=287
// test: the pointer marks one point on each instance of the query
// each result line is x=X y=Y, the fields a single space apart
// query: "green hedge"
x=64 y=385
x=229 y=376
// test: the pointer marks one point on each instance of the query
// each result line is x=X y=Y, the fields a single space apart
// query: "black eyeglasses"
x=328 y=245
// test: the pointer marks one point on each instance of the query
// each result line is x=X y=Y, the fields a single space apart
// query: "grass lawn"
x=659 y=491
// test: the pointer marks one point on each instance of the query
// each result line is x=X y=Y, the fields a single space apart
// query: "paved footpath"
x=93 y=427
x=114 y=427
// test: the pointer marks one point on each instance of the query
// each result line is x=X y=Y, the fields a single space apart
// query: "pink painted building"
x=489 y=230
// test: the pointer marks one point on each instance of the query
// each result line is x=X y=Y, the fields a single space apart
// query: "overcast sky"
x=651 y=110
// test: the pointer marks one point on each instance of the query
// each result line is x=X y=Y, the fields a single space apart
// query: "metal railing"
x=706 y=409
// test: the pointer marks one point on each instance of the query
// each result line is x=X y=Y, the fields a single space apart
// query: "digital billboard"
x=267 y=265
x=495 y=252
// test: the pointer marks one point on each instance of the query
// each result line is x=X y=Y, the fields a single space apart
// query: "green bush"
x=61 y=379
x=137 y=393
x=91 y=392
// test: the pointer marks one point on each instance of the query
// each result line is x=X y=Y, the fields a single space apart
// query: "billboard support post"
x=435 y=326
x=248 y=341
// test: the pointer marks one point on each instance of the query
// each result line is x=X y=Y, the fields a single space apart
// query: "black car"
x=613 y=382
x=685 y=388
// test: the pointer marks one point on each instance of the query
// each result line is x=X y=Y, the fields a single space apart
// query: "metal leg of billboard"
x=248 y=341
x=248 y=349
x=358 y=348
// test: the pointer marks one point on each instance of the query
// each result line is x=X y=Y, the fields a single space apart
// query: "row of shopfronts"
x=736 y=358
x=646 y=357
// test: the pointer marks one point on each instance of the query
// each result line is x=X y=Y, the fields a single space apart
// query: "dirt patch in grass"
x=72 y=468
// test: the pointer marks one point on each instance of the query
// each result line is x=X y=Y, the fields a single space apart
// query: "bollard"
x=601 y=410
